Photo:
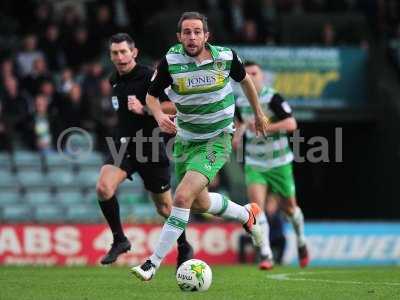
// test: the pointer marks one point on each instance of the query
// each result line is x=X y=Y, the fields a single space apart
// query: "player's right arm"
x=160 y=81
x=238 y=73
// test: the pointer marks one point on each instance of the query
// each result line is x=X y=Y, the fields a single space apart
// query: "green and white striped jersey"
x=272 y=150
x=202 y=92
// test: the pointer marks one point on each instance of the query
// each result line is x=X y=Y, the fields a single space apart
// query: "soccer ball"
x=194 y=275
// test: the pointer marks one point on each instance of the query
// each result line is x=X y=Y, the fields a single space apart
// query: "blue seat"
x=49 y=213
x=17 y=213
x=27 y=160
x=70 y=197
x=126 y=196
x=87 y=178
x=29 y=178
x=5 y=161
x=91 y=197
x=83 y=213
x=61 y=177
x=38 y=197
x=92 y=159
x=10 y=197
x=127 y=211
x=7 y=179
x=144 y=211
x=56 y=161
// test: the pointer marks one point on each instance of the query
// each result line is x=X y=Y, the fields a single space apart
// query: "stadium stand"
x=34 y=62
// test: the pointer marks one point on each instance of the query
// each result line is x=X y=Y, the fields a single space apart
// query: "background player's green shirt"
x=272 y=150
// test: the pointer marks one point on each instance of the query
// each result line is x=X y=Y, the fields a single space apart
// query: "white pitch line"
x=288 y=277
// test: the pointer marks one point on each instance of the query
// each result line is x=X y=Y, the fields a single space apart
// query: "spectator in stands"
x=15 y=107
x=7 y=69
x=250 y=33
x=47 y=89
x=74 y=110
x=91 y=82
x=42 y=16
x=102 y=26
x=5 y=133
x=328 y=35
x=234 y=17
x=65 y=82
x=79 y=50
x=70 y=20
x=102 y=112
x=268 y=13
x=41 y=126
x=52 y=48
x=29 y=53
x=39 y=73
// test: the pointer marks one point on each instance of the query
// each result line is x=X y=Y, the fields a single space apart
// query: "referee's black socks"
x=110 y=209
x=182 y=239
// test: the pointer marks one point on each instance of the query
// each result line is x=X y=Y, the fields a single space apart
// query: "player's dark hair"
x=250 y=63
x=193 y=15
x=122 y=37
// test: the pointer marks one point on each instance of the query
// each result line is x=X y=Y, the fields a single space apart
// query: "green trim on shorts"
x=206 y=157
x=280 y=180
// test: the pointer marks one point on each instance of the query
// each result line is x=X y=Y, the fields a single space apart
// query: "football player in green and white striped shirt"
x=268 y=160
x=199 y=75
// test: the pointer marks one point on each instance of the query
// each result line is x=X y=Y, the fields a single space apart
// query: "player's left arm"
x=239 y=74
x=283 y=111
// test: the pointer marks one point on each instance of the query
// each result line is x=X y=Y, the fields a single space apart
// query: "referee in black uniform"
x=129 y=87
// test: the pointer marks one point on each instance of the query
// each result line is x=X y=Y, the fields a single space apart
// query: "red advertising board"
x=85 y=244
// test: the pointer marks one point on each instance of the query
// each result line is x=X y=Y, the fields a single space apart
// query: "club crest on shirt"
x=219 y=65
x=114 y=101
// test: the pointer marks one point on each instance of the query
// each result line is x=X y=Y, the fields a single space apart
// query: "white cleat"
x=252 y=225
x=144 y=272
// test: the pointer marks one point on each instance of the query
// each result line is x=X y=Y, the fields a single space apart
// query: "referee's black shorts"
x=156 y=176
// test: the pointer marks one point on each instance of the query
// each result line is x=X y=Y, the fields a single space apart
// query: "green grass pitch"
x=229 y=282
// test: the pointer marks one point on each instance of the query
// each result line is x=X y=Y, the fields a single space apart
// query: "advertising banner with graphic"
x=313 y=77
x=344 y=244
x=80 y=244
x=339 y=244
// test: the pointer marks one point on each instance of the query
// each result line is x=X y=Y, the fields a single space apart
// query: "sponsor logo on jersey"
x=199 y=81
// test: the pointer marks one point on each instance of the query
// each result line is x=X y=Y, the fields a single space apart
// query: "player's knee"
x=182 y=199
x=289 y=209
x=200 y=206
x=104 y=190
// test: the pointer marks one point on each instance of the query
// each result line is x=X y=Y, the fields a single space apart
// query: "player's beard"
x=196 y=53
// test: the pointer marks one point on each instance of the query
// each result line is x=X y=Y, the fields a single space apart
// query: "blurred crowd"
x=53 y=54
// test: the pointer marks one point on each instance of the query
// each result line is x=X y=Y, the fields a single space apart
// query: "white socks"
x=297 y=220
x=265 y=249
x=171 y=231
x=220 y=205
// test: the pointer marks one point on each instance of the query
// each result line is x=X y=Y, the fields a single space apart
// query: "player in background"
x=268 y=160
x=199 y=75
x=130 y=83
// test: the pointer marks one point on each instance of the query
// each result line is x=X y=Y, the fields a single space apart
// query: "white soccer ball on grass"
x=194 y=275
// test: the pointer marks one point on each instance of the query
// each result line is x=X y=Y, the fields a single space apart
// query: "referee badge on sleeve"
x=115 y=104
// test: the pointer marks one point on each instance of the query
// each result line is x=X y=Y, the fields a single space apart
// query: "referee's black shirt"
x=134 y=83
